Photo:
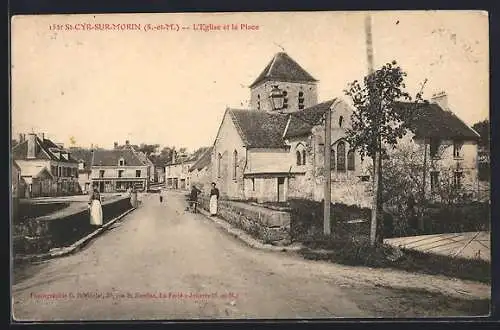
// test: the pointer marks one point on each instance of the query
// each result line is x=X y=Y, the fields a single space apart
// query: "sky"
x=172 y=87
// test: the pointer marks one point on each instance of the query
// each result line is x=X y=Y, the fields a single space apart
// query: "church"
x=274 y=151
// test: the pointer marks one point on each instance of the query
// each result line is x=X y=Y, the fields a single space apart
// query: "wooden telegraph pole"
x=376 y=161
x=328 y=174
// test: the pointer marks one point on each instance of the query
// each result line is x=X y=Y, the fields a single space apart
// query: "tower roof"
x=283 y=68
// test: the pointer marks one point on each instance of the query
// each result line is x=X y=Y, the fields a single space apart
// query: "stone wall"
x=270 y=226
x=61 y=229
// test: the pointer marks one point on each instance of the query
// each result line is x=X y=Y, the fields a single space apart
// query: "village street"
x=160 y=262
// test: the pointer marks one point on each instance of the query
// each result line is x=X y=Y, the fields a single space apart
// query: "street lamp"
x=277 y=98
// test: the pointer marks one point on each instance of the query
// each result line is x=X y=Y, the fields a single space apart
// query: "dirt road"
x=163 y=263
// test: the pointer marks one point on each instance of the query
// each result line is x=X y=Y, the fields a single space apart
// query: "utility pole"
x=327 y=174
x=376 y=160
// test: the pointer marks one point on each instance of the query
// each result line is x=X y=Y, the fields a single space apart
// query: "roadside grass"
x=361 y=253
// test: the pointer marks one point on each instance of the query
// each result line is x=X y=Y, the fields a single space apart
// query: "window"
x=299 y=158
x=457 y=149
x=303 y=157
x=121 y=162
x=434 y=147
x=219 y=161
x=332 y=159
x=235 y=164
x=101 y=173
x=120 y=173
x=253 y=184
x=81 y=165
x=258 y=101
x=341 y=121
x=301 y=100
x=341 y=156
x=137 y=173
x=434 y=180
x=285 y=100
x=59 y=171
x=350 y=161
x=457 y=179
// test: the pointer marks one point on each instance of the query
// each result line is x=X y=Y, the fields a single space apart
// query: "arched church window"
x=341 y=156
x=235 y=164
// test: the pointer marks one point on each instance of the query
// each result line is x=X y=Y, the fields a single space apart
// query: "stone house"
x=159 y=174
x=116 y=170
x=36 y=152
x=448 y=146
x=177 y=173
x=200 y=171
x=274 y=155
x=38 y=180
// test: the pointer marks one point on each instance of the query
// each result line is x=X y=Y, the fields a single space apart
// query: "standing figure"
x=95 y=208
x=214 y=199
x=163 y=194
x=133 y=197
x=193 y=198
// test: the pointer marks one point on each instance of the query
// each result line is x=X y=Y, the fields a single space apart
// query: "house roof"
x=260 y=129
x=33 y=170
x=203 y=161
x=283 y=68
x=44 y=149
x=111 y=157
x=83 y=154
x=430 y=120
x=301 y=122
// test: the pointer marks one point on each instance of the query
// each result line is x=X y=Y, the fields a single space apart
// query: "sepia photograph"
x=250 y=166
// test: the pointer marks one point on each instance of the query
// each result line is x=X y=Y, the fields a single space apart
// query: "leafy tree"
x=377 y=123
x=483 y=128
x=147 y=149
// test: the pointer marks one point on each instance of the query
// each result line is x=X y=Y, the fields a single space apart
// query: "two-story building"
x=177 y=173
x=116 y=170
x=33 y=154
x=273 y=155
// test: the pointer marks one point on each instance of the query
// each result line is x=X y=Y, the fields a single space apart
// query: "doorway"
x=101 y=186
x=281 y=190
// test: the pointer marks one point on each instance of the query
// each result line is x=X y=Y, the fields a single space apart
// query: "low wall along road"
x=64 y=227
x=270 y=226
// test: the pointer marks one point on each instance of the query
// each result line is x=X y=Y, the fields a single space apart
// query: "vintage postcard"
x=270 y=165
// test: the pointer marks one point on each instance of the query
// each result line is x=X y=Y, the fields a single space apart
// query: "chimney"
x=441 y=99
x=116 y=145
x=127 y=143
x=41 y=136
x=31 y=146
x=21 y=138
x=173 y=156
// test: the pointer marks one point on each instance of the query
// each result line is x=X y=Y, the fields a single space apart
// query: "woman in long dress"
x=95 y=208
x=214 y=199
